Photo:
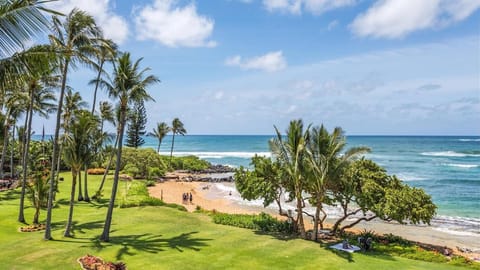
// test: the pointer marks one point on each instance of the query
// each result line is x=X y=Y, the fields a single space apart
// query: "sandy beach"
x=224 y=198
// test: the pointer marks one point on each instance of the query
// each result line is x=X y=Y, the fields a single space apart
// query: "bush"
x=262 y=222
x=155 y=172
x=137 y=195
x=96 y=171
x=189 y=163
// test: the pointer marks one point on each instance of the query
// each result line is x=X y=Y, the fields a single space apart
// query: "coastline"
x=221 y=197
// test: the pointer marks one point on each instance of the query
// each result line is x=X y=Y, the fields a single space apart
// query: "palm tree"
x=291 y=155
x=21 y=20
x=326 y=159
x=129 y=86
x=76 y=149
x=160 y=132
x=73 y=39
x=105 y=51
x=73 y=103
x=106 y=113
x=14 y=104
x=40 y=94
x=177 y=128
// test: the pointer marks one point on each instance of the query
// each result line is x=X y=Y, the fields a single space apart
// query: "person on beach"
x=191 y=198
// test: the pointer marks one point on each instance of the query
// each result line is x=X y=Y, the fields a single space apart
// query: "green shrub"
x=136 y=194
x=190 y=163
x=262 y=222
x=150 y=183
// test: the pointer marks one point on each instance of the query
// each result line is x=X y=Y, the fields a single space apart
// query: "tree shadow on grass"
x=277 y=235
x=130 y=244
x=11 y=194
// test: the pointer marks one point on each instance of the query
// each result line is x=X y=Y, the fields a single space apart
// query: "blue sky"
x=390 y=67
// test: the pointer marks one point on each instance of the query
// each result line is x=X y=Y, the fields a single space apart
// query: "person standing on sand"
x=191 y=198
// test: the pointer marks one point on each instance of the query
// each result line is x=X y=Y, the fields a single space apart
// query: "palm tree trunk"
x=108 y=220
x=96 y=86
x=12 y=149
x=28 y=127
x=48 y=229
x=158 y=149
x=108 y=167
x=37 y=212
x=317 y=220
x=72 y=201
x=5 y=144
x=171 y=150
x=301 y=226
x=85 y=187
x=80 y=195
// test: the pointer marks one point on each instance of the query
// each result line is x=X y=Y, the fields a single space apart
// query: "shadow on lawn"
x=151 y=243
x=11 y=194
x=278 y=235
x=349 y=256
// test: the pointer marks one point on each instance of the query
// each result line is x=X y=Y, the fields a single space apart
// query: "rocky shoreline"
x=214 y=174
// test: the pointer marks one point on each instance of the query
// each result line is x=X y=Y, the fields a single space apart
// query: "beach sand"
x=220 y=197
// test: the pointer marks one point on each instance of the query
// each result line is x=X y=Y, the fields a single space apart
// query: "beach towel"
x=339 y=246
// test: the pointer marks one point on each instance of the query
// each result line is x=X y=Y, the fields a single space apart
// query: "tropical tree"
x=76 y=150
x=326 y=161
x=41 y=98
x=15 y=104
x=73 y=39
x=177 y=128
x=73 y=103
x=106 y=113
x=38 y=186
x=291 y=153
x=136 y=127
x=160 y=132
x=105 y=51
x=129 y=85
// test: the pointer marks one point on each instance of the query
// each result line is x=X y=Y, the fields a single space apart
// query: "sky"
x=380 y=67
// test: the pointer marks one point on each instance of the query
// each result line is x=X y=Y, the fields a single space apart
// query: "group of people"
x=186 y=197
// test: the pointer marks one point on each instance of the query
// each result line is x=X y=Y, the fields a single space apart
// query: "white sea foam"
x=219 y=155
x=455 y=232
x=410 y=177
x=448 y=154
x=469 y=140
x=467 y=166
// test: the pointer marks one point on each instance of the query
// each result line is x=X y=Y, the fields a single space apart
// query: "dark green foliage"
x=262 y=222
x=137 y=119
x=189 y=163
x=138 y=162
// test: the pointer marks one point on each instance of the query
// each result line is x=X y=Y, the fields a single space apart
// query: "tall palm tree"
x=73 y=39
x=160 y=132
x=291 y=153
x=15 y=104
x=177 y=128
x=73 y=103
x=40 y=95
x=76 y=149
x=129 y=86
x=105 y=51
x=326 y=159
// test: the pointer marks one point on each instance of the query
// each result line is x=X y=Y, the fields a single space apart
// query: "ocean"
x=446 y=167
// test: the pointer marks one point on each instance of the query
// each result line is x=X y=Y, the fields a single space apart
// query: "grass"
x=159 y=237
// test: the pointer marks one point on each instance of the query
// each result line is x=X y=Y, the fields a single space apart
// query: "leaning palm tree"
x=129 y=85
x=326 y=159
x=177 y=128
x=290 y=153
x=82 y=127
x=105 y=51
x=160 y=132
x=106 y=113
x=73 y=39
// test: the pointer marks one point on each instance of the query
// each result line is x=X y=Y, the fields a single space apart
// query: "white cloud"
x=398 y=18
x=172 y=25
x=218 y=95
x=114 y=26
x=270 y=62
x=315 y=7
x=332 y=25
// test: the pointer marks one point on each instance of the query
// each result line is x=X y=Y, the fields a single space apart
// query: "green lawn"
x=165 y=238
